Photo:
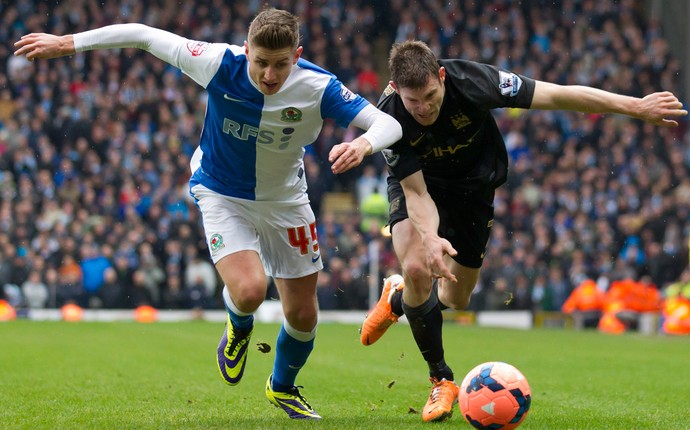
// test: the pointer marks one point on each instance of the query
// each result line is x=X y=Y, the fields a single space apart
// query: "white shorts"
x=283 y=234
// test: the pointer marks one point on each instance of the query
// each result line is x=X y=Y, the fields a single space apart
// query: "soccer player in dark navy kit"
x=444 y=171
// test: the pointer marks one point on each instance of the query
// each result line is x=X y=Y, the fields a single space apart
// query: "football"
x=494 y=395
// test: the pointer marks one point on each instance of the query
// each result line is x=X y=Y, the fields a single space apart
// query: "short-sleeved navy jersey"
x=464 y=147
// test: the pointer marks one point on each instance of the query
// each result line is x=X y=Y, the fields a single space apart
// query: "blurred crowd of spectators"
x=94 y=152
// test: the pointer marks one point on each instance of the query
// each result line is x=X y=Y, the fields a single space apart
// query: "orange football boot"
x=381 y=316
x=439 y=407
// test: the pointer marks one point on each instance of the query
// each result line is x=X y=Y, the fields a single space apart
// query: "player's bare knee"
x=459 y=304
x=453 y=301
x=250 y=296
x=303 y=318
x=456 y=296
x=416 y=272
x=249 y=303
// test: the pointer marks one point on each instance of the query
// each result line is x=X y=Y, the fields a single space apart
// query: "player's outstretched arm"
x=44 y=46
x=162 y=44
x=657 y=108
x=424 y=216
x=382 y=130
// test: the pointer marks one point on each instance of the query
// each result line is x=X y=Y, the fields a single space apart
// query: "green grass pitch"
x=58 y=375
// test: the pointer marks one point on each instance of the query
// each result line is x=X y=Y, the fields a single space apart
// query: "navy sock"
x=426 y=322
x=396 y=303
x=434 y=289
x=396 y=300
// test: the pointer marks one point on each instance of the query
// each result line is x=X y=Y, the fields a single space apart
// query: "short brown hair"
x=274 y=29
x=410 y=64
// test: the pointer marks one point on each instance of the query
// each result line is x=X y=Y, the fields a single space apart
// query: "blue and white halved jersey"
x=252 y=145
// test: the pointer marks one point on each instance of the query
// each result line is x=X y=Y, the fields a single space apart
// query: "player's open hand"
x=347 y=155
x=436 y=249
x=657 y=108
x=44 y=46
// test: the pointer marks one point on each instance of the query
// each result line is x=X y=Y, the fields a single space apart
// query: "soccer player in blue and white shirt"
x=265 y=104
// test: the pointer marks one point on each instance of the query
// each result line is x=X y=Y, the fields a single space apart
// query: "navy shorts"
x=466 y=217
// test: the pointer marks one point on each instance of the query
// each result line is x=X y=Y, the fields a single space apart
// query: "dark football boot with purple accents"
x=292 y=402
x=232 y=353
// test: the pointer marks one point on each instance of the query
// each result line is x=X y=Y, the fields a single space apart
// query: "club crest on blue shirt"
x=291 y=114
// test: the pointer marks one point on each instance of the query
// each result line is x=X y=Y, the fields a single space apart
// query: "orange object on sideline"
x=584 y=298
x=72 y=312
x=610 y=324
x=677 y=319
x=627 y=295
x=145 y=314
x=633 y=296
x=7 y=312
x=673 y=303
